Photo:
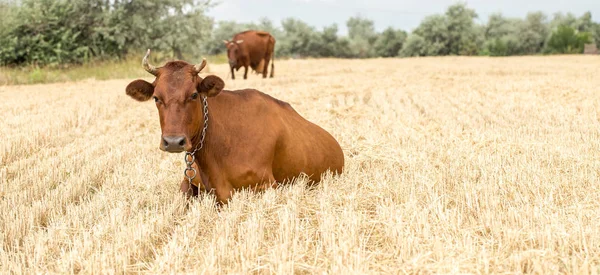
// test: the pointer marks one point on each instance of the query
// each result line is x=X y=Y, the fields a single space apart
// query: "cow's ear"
x=140 y=90
x=211 y=85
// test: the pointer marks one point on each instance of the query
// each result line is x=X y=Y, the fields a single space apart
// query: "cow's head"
x=178 y=92
x=233 y=51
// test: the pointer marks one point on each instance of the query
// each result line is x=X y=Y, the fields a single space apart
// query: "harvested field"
x=453 y=165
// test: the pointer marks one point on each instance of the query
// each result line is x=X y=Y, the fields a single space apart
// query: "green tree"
x=361 y=28
x=560 y=19
x=581 y=24
x=454 y=33
x=173 y=26
x=7 y=11
x=596 y=33
x=501 y=36
x=567 y=40
x=415 y=45
x=362 y=35
x=299 y=39
x=499 y=26
x=433 y=32
x=585 y=23
x=63 y=31
x=48 y=32
x=389 y=42
x=329 y=39
x=533 y=33
x=502 y=46
x=331 y=45
x=463 y=34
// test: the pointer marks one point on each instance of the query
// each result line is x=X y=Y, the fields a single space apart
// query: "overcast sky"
x=403 y=14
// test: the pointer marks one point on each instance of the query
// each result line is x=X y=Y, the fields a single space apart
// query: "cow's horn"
x=149 y=68
x=198 y=67
x=239 y=41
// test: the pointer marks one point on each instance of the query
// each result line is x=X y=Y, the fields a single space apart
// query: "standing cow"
x=251 y=48
x=234 y=139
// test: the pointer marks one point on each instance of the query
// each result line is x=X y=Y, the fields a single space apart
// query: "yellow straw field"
x=453 y=165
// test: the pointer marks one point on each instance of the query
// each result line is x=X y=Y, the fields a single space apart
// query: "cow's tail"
x=273 y=58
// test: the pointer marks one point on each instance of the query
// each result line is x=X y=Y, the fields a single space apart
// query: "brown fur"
x=256 y=51
x=252 y=140
x=260 y=67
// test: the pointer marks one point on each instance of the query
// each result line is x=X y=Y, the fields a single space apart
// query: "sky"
x=400 y=14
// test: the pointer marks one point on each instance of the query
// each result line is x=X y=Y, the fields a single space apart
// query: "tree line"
x=55 y=32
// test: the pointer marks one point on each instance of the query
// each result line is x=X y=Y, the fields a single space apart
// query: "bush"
x=567 y=40
x=56 y=32
x=596 y=33
x=415 y=45
x=52 y=32
x=390 y=42
x=48 y=32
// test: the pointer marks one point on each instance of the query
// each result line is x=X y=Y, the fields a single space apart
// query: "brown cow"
x=251 y=48
x=239 y=139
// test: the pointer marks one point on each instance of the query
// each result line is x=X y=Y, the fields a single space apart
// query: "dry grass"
x=454 y=165
x=95 y=70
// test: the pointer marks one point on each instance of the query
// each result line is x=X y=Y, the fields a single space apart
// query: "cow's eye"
x=194 y=95
x=155 y=99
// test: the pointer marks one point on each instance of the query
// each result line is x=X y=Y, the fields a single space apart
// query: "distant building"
x=590 y=49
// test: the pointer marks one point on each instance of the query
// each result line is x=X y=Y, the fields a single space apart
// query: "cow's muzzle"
x=173 y=144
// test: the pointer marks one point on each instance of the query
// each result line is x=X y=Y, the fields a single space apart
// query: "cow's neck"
x=200 y=139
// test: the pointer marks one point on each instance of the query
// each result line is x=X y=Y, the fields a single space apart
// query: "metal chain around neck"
x=203 y=134
x=190 y=157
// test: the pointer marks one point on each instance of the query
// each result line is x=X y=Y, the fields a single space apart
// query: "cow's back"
x=302 y=146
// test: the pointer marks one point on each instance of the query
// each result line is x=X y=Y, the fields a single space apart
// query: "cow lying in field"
x=238 y=139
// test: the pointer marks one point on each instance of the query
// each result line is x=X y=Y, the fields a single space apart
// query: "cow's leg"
x=232 y=73
x=266 y=67
x=245 y=72
x=218 y=185
x=266 y=183
x=223 y=192
x=258 y=180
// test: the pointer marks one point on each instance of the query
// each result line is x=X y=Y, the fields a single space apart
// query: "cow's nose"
x=173 y=144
